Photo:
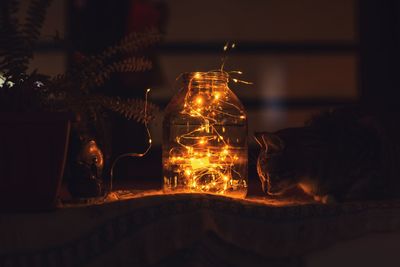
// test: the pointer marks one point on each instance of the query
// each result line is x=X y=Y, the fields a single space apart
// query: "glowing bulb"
x=188 y=172
x=199 y=163
x=217 y=95
x=199 y=100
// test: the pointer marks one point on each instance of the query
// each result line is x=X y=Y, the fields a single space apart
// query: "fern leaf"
x=128 y=46
x=132 y=109
x=34 y=20
x=13 y=61
x=132 y=43
x=133 y=64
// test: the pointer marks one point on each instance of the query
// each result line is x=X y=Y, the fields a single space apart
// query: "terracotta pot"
x=33 y=149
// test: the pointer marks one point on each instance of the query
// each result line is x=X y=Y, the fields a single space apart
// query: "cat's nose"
x=275 y=190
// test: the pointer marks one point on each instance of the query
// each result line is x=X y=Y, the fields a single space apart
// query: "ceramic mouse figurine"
x=338 y=156
x=86 y=179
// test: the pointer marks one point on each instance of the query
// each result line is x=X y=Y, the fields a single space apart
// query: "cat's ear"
x=258 y=136
x=270 y=142
x=275 y=144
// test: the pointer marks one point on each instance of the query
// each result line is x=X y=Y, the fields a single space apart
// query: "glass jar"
x=205 y=138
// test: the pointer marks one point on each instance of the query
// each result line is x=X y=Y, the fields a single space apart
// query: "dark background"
x=303 y=56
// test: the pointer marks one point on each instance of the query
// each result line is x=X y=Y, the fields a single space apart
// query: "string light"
x=228 y=46
x=206 y=158
x=240 y=81
x=135 y=155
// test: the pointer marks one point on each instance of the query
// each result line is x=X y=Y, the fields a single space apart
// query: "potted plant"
x=36 y=110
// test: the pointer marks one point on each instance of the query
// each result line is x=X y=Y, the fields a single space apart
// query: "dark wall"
x=379 y=28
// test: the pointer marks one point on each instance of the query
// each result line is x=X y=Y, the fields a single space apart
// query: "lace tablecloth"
x=187 y=230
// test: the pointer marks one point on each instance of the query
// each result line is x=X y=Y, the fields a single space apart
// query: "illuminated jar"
x=205 y=138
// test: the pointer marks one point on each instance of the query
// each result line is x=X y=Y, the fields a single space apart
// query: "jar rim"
x=214 y=75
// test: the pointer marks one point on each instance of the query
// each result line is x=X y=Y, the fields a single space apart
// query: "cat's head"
x=280 y=164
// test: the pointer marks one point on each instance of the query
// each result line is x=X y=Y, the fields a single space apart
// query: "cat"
x=340 y=155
